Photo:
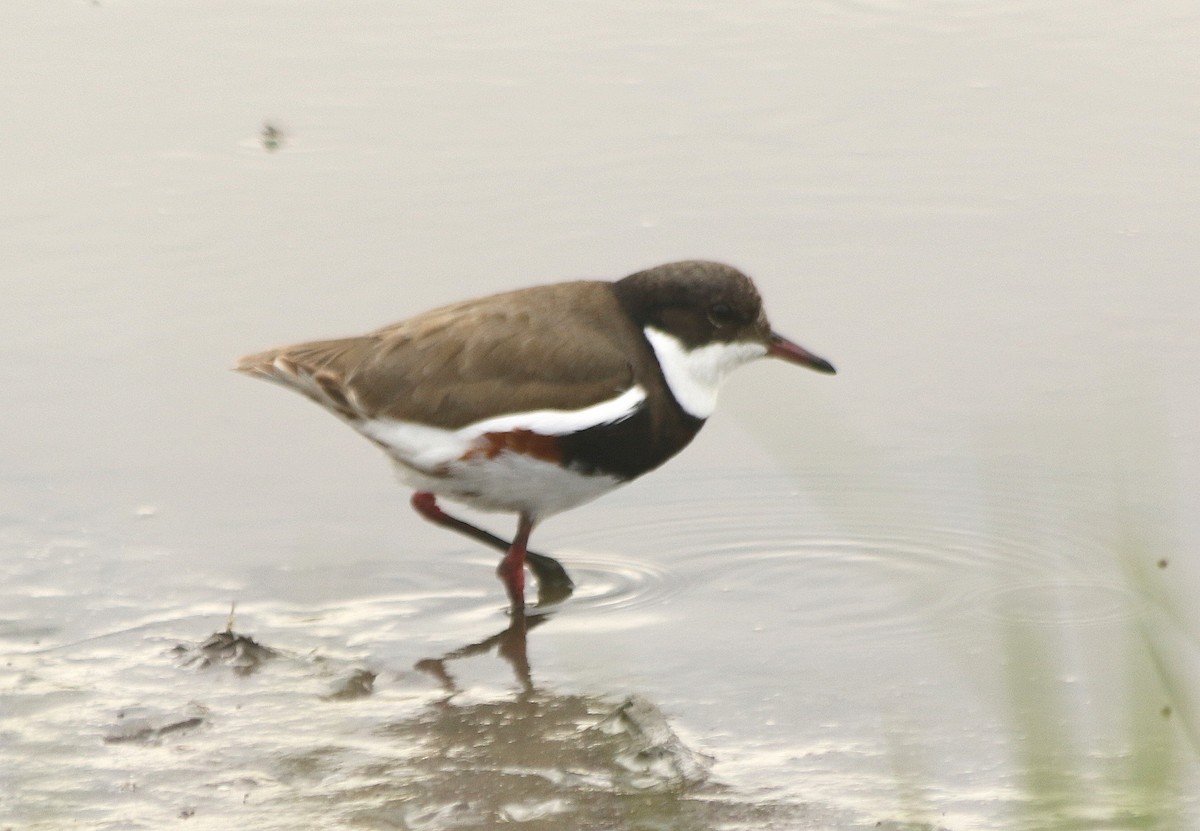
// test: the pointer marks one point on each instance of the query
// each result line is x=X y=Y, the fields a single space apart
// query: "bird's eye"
x=721 y=314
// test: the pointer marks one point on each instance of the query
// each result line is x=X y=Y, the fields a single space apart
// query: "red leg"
x=554 y=585
x=425 y=504
x=512 y=568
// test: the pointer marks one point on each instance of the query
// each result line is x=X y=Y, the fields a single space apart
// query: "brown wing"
x=548 y=347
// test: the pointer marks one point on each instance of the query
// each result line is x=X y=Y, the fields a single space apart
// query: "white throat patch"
x=695 y=375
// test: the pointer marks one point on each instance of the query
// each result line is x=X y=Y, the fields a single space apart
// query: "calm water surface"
x=948 y=588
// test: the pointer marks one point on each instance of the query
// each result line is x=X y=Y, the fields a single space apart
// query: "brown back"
x=563 y=346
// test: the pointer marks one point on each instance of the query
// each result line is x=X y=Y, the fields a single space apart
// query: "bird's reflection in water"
x=478 y=757
x=535 y=755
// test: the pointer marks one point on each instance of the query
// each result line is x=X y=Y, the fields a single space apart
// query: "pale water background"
x=951 y=587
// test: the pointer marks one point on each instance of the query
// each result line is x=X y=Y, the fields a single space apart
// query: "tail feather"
x=309 y=369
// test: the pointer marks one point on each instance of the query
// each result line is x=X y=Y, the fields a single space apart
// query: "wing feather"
x=555 y=347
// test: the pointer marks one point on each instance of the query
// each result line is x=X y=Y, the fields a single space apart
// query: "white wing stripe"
x=561 y=422
x=427 y=447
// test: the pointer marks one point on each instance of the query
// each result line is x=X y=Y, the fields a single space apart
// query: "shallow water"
x=947 y=588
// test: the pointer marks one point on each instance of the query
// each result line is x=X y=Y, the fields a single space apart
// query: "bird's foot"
x=554 y=584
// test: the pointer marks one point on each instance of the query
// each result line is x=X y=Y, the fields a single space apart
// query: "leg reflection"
x=509 y=644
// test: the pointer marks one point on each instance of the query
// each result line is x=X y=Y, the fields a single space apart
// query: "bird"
x=540 y=399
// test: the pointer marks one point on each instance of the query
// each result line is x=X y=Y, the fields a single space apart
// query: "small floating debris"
x=272 y=137
x=239 y=652
x=145 y=511
x=141 y=725
x=360 y=684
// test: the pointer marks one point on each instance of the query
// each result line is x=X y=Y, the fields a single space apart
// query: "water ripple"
x=863 y=561
x=611 y=582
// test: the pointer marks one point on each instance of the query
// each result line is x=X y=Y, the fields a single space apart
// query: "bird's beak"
x=780 y=347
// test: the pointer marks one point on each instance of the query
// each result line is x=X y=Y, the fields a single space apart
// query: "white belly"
x=510 y=482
